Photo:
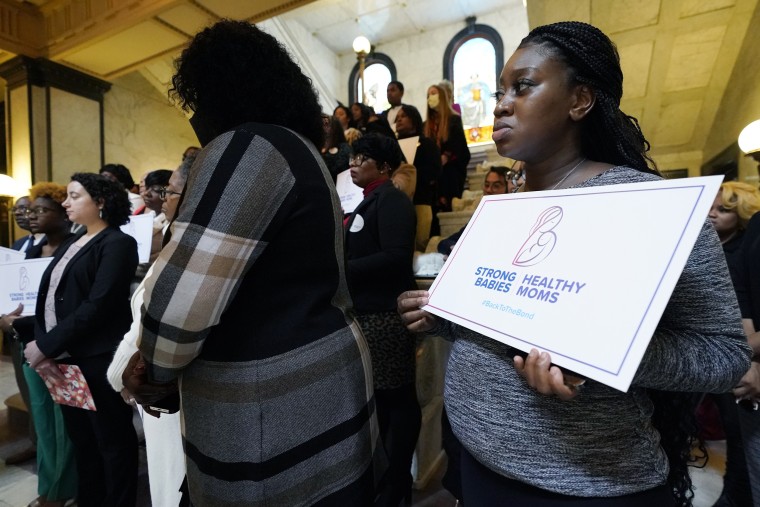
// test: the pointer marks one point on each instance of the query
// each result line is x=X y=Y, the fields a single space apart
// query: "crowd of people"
x=269 y=345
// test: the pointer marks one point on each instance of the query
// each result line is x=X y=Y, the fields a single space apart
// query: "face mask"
x=433 y=101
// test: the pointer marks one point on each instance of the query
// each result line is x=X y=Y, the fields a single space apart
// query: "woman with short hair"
x=276 y=390
x=379 y=251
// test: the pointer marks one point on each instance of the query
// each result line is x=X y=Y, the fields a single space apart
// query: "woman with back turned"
x=275 y=378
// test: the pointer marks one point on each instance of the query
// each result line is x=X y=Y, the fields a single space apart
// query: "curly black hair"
x=607 y=133
x=235 y=73
x=121 y=173
x=110 y=193
x=382 y=149
x=158 y=177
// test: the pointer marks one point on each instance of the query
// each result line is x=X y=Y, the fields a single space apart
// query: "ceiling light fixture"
x=362 y=47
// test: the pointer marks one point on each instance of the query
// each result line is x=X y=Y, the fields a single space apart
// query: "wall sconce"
x=749 y=141
x=10 y=187
x=362 y=47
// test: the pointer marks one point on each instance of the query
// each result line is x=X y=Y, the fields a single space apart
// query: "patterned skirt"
x=392 y=348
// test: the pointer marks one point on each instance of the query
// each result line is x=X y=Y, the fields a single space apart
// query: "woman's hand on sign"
x=541 y=375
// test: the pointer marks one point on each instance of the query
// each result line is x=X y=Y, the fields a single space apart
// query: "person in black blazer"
x=81 y=315
x=380 y=247
x=427 y=161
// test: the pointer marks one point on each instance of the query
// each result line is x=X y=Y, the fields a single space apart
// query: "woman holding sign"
x=532 y=434
x=56 y=468
x=82 y=313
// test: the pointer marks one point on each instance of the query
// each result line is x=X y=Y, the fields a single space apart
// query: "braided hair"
x=607 y=134
x=611 y=136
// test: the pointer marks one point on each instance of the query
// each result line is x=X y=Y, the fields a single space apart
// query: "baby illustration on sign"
x=541 y=240
x=23 y=282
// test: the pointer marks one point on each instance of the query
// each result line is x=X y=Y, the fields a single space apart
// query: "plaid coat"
x=247 y=306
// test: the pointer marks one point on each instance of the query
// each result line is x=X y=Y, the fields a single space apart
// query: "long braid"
x=609 y=135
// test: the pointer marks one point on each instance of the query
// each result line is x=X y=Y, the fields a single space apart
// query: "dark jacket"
x=454 y=173
x=380 y=248
x=746 y=272
x=19 y=243
x=92 y=298
x=427 y=161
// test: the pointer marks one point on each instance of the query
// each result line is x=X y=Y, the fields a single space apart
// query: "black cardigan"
x=380 y=251
x=746 y=270
x=92 y=298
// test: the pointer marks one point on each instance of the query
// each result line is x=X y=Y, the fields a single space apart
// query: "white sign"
x=351 y=195
x=409 y=148
x=20 y=282
x=11 y=255
x=140 y=227
x=583 y=274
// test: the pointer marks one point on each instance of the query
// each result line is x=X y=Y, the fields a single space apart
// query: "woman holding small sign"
x=56 y=468
x=532 y=434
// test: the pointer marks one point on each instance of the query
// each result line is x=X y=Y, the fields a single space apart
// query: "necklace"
x=560 y=182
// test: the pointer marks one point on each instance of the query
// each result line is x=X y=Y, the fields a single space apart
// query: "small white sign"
x=140 y=227
x=583 y=274
x=11 y=255
x=409 y=148
x=20 y=282
x=351 y=195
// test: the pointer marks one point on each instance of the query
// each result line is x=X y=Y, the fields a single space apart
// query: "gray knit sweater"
x=602 y=443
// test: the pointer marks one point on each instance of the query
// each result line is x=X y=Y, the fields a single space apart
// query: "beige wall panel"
x=543 y=12
x=635 y=61
x=75 y=128
x=693 y=58
x=40 y=135
x=691 y=160
x=126 y=48
x=187 y=18
x=21 y=150
x=676 y=123
x=621 y=15
x=142 y=130
x=693 y=7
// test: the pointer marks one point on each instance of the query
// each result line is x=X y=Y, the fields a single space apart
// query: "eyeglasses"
x=39 y=210
x=358 y=160
x=19 y=209
x=155 y=190
x=164 y=192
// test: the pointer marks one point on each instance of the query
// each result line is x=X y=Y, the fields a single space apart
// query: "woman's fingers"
x=415 y=319
x=539 y=373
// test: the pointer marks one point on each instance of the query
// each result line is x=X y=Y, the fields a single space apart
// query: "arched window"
x=379 y=70
x=473 y=62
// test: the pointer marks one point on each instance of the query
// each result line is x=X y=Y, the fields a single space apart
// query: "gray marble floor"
x=18 y=484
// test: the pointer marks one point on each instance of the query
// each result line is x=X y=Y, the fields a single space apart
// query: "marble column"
x=54 y=121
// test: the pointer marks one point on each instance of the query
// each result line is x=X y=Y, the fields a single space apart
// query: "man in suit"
x=395 y=92
x=19 y=214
